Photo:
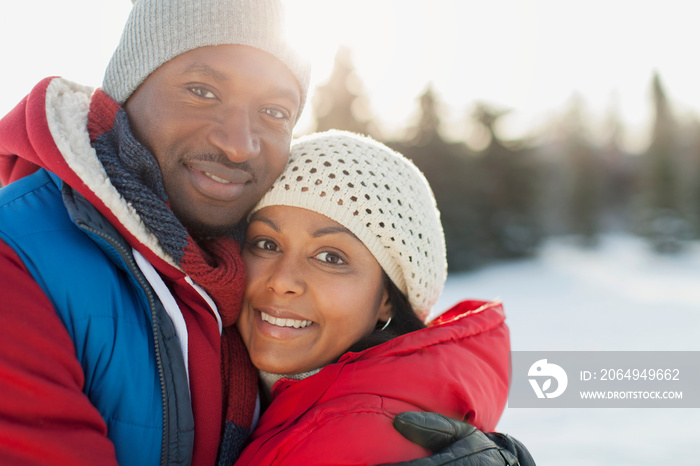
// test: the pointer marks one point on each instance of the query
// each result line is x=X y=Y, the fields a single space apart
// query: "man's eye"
x=276 y=113
x=330 y=258
x=204 y=93
x=266 y=245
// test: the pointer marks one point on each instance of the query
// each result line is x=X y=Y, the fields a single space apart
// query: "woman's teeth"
x=216 y=178
x=285 y=322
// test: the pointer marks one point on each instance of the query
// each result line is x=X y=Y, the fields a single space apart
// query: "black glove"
x=458 y=443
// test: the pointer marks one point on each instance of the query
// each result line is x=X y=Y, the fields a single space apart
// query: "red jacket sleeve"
x=358 y=438
x=45 y=418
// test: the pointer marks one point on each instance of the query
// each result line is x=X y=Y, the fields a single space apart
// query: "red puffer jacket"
x=458 y=366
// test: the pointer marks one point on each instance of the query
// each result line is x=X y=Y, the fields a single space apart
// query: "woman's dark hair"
x=403 y=320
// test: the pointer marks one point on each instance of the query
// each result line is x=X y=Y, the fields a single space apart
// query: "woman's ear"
x=386 y=310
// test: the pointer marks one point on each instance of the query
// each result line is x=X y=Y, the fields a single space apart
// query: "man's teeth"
x=285 y=322
x=216 y=178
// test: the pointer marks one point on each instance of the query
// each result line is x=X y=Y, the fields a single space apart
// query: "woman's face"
x=313 y=289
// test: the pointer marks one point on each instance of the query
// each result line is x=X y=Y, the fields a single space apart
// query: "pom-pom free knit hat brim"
x=159 y=30
x=377 y=194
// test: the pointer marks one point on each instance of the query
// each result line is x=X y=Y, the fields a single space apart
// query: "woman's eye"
x=330 y=258
x=276 y=113
x=201 y=92
x=265 y=245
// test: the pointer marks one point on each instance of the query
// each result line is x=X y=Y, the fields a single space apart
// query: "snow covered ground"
x=619 y=296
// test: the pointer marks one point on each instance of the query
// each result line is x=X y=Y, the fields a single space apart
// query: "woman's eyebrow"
x=333 y=230
x=268 y=222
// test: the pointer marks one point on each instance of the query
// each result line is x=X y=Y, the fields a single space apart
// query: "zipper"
x=133 y=267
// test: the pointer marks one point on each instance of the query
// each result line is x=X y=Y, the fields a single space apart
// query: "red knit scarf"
x=215 y=265
x=222 y=275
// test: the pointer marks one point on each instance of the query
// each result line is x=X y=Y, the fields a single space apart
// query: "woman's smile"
x=282 y=322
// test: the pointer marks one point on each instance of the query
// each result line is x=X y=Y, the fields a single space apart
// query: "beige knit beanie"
x=377 y=194
x=159 y=30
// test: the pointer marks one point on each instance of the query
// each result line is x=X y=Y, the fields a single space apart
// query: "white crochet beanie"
x=377 y=194
x=159 y=30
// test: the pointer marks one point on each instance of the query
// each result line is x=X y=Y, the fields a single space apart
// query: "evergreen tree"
x=692 y=168
x=428 y=128
x=586 y=176
x=341 y=103
x=449 y=169
x=662 y=220
x=506 y=184
x=619 y=171
x=662 y=189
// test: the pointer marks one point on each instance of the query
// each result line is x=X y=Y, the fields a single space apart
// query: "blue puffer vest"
x=112 y=314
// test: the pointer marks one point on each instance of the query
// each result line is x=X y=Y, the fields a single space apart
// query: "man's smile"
x=218 y=181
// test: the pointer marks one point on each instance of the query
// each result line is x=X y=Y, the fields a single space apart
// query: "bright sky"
x=529 y=56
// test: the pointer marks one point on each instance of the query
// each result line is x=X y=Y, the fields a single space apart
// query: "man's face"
x=219 y=122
